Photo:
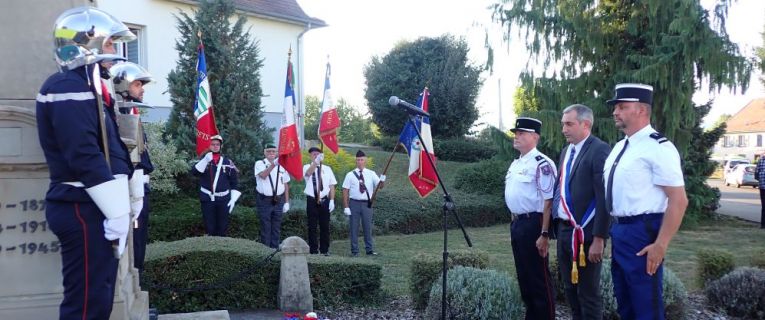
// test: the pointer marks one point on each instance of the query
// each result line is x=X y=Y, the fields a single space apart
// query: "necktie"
x=570 y=161
x=362 y=185
x=315 y=187
x=609 y=191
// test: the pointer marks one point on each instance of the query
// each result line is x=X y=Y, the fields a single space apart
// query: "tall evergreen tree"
x=233 y=66
x=594 y=44
x=440 y=64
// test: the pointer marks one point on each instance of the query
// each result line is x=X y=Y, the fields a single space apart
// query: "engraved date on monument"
x=25 y=205
x=30 y=248
x=26 y=227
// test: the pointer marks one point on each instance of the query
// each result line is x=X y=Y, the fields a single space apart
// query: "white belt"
x=213 y=195
x=79 y=184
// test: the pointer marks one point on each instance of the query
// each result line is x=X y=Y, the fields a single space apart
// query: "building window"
x=741 y=140
x=132 y=50
x=759 y=140
x=727 y=141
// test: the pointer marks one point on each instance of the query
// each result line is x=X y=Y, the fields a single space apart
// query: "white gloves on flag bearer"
x=113 y=199
x=347 y=211
x=235 y=194
x=202 y=164
x=319 y=159
x=382 y=178
x=331 y=205
x=136 y=193
x=286 y=207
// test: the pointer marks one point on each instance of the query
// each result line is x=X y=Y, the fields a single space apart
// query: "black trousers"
x=532 y=270
x=318 y=216
x=584 y=297
x=215 y=215
x=762 y=207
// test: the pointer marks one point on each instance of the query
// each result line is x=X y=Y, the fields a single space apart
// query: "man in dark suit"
x=579 y=209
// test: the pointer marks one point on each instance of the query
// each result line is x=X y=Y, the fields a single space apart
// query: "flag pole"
x=385 y=171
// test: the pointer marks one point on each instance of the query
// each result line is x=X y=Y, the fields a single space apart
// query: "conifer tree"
x=233 y=66
x=673 y=45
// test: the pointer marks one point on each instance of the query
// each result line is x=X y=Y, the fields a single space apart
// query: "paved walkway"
x=741 y=202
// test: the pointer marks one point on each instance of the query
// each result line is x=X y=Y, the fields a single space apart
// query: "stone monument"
x=294 y=284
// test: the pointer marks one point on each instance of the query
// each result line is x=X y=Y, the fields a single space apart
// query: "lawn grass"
x=742 y=239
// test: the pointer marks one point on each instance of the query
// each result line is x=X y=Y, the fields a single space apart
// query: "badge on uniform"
x=546 y=170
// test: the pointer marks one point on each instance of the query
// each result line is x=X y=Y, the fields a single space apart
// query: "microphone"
x=408 y=107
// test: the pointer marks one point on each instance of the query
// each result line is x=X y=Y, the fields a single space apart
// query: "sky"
x=359 y=30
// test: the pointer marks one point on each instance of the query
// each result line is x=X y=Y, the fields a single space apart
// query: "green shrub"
x=675 y=295
x=476 y=294
x=740 y=293
x=164 y=156
x=463 y=149
x=427 y=268
x=242 y=279
x=712 y=265
x=757 y=260
x=484 y=177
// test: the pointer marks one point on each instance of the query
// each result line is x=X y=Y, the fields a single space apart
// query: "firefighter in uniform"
x=128 y=80
x=528 y=195
x=88 y=204
x=645 y=194
x=218 y=180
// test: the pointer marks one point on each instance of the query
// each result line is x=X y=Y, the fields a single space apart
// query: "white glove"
x=202 y=164
x=276 y=161
x=319 y=158
x=117 y=229
x=382 y=178
x=136 y=206
x=286 y=207
x=347 y=211
x=235 y=194
x=331 y=205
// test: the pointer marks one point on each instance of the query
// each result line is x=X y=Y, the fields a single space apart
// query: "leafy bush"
x=427 y=268
x=675 y=295
x=241 y=278
x=484 y=177
x=476 y=294
x=463 y=149
x=712 y=265
x=757 y=260
x=164 y=157
x=740 y=293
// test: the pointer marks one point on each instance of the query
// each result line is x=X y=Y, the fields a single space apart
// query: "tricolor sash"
x=577 y=236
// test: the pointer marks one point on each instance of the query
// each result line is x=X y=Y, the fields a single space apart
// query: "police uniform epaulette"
x=660 y=138
x=540 y=159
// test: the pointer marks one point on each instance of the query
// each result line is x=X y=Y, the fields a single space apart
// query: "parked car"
x=730 y=164
x=742 y=175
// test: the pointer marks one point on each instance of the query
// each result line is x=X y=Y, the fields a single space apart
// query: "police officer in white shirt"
x=529 y=185
x=358 y=187
x=273 y=196
x=320 y=200
x=645 y=194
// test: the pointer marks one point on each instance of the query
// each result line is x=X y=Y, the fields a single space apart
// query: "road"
x=741 y=202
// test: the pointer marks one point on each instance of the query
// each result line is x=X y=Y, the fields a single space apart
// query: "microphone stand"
x=447 y=207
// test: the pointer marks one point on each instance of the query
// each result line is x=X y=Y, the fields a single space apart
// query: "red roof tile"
x=749 y=119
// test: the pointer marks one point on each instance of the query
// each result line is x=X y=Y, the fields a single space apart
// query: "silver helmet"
x=124 y=73
x=80 y=33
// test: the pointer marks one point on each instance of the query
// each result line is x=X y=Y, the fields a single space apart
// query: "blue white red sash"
x=577 y=236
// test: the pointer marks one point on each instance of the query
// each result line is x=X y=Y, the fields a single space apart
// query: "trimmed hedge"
x=484 y=177
x=477 y=294
x=463 y=149
x=426 y=269
x=740 y=293
x=712 y=265
x=215 y=261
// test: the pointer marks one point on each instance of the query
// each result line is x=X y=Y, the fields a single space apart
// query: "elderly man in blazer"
x=580 y=215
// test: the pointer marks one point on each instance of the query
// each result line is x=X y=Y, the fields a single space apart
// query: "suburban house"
x=278 y=25
x=745 y=132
